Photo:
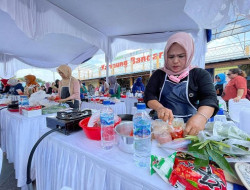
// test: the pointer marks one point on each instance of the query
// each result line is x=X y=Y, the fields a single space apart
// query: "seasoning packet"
x=162 y=166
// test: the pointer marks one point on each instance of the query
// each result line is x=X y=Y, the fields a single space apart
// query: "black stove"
x=67 y=121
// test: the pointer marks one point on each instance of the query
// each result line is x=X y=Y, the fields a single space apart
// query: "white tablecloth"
x=118 y=108
x=77 y=162
x=129 y=102
x=18 y=136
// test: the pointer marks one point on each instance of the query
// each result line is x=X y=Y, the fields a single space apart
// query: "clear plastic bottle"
x=142 y=136
x=23 y=102
x=107 y=126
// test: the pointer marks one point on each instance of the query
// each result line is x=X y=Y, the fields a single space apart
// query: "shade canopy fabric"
x=48 y=33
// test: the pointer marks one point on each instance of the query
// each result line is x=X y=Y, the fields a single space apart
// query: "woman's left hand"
x=237 y=99
x=195 y=124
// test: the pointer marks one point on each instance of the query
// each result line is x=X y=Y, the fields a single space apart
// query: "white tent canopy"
x=48 y=33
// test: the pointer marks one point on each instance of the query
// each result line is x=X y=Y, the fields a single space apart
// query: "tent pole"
x=107 y=68
x=150 y=51
x=54 y=77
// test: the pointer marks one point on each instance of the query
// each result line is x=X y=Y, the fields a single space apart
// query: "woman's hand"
x=165 y=114
x=19 y=91
x=237 y=99
x=195 y=124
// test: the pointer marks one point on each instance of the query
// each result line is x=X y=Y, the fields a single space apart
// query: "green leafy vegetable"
x=200 y=163
x=221 y=161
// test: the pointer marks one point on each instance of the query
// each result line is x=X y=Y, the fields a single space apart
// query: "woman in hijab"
x=16 y=88
x=69 y=87
x=114 y=87
x=5 y=86
x=31 y=85
x=220 y=83
x=83 y=88
x=181 y=90
x=138 y=86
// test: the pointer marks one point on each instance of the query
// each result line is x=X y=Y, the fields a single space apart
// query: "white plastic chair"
x=234 y=108
x=245 y=120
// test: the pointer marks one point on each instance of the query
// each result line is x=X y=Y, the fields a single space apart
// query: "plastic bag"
x=176 y=145
x=228 y=133
x=36 y=97
x=177 y=128
x=94 y=120
x=161 y=131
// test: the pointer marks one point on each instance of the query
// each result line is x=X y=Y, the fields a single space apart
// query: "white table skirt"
x=18 y=136
x=118 y=108
x=79 y=163
x=129 y=102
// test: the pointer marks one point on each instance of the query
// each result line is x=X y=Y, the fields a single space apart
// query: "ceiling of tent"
x=52 y=49
x=116 y=18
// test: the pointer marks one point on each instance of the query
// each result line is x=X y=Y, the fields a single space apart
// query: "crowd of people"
x=179 y=89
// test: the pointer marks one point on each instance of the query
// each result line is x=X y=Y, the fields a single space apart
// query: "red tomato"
x=177 y=133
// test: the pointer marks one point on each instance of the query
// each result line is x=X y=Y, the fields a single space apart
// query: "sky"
x=44 y=74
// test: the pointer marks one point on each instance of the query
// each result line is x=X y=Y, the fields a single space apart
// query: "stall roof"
x=48 y=33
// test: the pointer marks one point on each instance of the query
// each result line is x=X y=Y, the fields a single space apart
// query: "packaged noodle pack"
x=185 y=176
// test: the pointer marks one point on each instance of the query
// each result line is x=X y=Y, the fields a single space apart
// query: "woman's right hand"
x=165 y=114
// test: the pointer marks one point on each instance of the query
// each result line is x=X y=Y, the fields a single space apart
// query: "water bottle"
x=23 y=102
x=220 y=116
x=142 y=136
x=89 y=98
x=107 y=126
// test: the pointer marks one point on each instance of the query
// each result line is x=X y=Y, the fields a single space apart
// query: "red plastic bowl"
x=93 y=133
x=13 y=110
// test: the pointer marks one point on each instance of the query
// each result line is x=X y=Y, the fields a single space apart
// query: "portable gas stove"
x=67 y=121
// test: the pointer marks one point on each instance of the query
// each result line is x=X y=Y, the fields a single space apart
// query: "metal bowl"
x=125 y=141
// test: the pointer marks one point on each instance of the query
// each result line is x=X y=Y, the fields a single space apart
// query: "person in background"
x=104 y=87
x=31 y=85
x=43 y=88
x=114 y=87
x=69 y=87
x=181 y=90
x=91 y=89
x=236 y=88
x=5 y=86
x=55 y=86
x=16 y=88
x=220 y=83
x=138 y=86
x=84 y=89
x=48 y=88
